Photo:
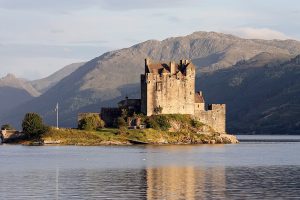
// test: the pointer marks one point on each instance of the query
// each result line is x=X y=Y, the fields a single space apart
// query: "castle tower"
x=168 y=88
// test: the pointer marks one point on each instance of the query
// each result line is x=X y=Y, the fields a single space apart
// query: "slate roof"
x=199 y=98
x=157 y=68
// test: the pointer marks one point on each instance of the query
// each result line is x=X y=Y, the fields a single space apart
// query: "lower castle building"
x=169 y=88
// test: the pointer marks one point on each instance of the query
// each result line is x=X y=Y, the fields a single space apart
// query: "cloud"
x=145 y=4
x=46 y=5
x=82 y=51
x=33 y=67
x=64 y=7
x=259 y=33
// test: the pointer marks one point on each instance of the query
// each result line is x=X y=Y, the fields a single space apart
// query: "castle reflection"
x=169 y=178
x=188 y=183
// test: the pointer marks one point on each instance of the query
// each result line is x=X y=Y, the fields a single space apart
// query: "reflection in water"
x=245 y=171
x=154 y=183
x=185 y=183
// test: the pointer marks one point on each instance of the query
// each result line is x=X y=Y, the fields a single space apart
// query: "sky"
x=38 y=37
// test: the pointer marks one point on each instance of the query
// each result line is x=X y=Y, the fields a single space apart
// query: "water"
x=261 y=167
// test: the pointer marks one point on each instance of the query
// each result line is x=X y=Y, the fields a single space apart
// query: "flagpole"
x=57 y=116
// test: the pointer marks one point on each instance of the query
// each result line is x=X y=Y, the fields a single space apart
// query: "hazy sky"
x=38 y=37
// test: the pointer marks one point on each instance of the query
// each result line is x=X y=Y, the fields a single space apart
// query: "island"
x=168 y=112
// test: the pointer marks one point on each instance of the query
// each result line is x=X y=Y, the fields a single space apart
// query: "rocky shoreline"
x=161 y=138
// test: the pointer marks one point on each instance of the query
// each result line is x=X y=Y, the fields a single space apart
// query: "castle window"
x=158 y=86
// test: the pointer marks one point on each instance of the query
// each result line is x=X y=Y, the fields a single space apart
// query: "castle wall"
x=7 y=135
x=171 y=87
x=215 y=117
x=109 y=115
x=199 y=107
x=173 y=93
x=143 y=94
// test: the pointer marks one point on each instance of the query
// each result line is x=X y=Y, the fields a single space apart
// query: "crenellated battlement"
x=171 y=88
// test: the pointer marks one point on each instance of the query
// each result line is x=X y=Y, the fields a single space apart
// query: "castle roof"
x=129 y=102
x=199 y=98
x=158 y=68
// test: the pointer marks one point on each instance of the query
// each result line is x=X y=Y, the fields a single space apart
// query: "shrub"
x=158 y=110
x=91 y=122
x=7 y=127
x=151 y=123
x=158 y=122
x=196 y=123
x=33 y=125
x=121 y=123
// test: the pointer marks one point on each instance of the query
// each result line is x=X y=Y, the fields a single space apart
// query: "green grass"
x=81 y=137
x=187 y=133
x=117 y=136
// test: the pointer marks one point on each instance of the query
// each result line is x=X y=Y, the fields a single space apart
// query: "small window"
x=158 y=86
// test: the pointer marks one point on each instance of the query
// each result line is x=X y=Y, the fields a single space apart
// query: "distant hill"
x=264 y=99
x=12 y=81
x=108 y=78
x=44 y=84
x=15 y=91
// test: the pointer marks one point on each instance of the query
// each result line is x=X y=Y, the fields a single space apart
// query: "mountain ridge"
x=42 y=85
x=107 y=78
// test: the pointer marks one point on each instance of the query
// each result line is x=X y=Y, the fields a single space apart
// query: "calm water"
x=262 y=167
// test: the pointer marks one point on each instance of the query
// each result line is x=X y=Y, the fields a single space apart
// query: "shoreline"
x=128 y=137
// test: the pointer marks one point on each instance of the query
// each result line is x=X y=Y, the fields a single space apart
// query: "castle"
x=169 y=88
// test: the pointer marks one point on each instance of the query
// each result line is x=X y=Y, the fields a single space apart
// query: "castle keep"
x=169 y=88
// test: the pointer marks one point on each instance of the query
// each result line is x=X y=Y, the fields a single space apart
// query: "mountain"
x=14 y=92
x=108 y=78
x=262 y=99
x=44 y=84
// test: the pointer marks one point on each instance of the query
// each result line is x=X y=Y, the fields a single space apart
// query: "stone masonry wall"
x=215 y=117
x=173 y=93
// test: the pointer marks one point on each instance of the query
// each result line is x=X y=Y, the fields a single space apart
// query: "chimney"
x=200 y=93
x=172 y=67
x=147 y=61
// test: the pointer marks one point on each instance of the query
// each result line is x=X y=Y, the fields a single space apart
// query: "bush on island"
x=121 y=123
x=158 y=122
x=91 y=122
x=7 y=127
x=33 y=125
x=196 y=123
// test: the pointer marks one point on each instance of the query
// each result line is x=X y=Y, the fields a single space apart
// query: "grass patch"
x=82 y=137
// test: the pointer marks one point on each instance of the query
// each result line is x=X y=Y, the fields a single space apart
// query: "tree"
x=33 y=125
x=158 y=110
x=91 y=122
x=7 y=127
x=158 y=122
x=121 y=123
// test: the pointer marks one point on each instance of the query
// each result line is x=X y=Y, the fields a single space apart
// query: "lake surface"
x=260 y=167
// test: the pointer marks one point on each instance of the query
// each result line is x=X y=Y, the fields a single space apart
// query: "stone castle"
x=169 y=88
